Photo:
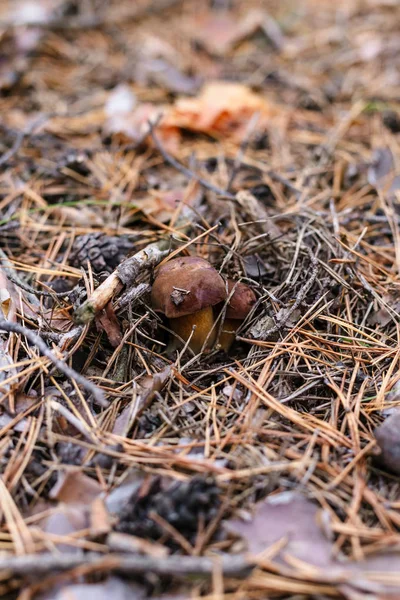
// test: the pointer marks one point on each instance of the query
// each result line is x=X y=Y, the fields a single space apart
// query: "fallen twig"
x=33 y=338
x=28 y=288
x=42 y=564
x=133 y=295
x=125 y=274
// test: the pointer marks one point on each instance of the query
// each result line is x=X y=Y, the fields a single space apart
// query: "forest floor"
x=262 y=136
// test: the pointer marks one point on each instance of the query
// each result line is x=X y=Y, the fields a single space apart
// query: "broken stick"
x=124 y=274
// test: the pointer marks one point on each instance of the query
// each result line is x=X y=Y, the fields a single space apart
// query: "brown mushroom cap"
x=186 y=285
x=241 y=302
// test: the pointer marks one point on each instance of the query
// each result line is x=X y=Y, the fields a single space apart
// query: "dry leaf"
x=119 y=496
x=7 y=368
x=76 y=494
x=100 y=523
x=82 y=216
x=296 y=526
x=255 y=211
x=74 y=487
x=221 y=108
x=161 y=204
x=14 y=300
x=289 y=517
x=107 y=321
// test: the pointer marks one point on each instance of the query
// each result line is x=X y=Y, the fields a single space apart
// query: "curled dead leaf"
x=221 y=108
x=74 y=487
x=107 y=321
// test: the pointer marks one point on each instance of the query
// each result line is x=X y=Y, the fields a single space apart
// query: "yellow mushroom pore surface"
x=204 y=322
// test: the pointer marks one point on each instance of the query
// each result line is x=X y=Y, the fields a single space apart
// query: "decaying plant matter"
x=258 y=456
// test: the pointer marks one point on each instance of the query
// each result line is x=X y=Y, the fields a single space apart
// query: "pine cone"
x=181 y=505
x=103 y=252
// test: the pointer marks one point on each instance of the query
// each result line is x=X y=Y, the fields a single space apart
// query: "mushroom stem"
x=204 y=322
x=228 y=333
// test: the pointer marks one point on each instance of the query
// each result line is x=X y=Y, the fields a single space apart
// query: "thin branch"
x=42 y=564
x=125 y=274
x=33 y=338
x=27 y=288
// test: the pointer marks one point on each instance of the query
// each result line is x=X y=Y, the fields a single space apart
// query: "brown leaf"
x=100 y=523
x=76 y=510
x=7 y=367
x=74 y=487
x=119 y=496
x=221 y=108
x=82 y=216
x=255 y=211
x=107 y=321
x=14 y=300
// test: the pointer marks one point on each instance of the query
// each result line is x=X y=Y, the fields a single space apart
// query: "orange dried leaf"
x=221 y=108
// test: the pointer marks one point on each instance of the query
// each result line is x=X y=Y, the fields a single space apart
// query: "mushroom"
x=185 y=290
x=241 y=300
